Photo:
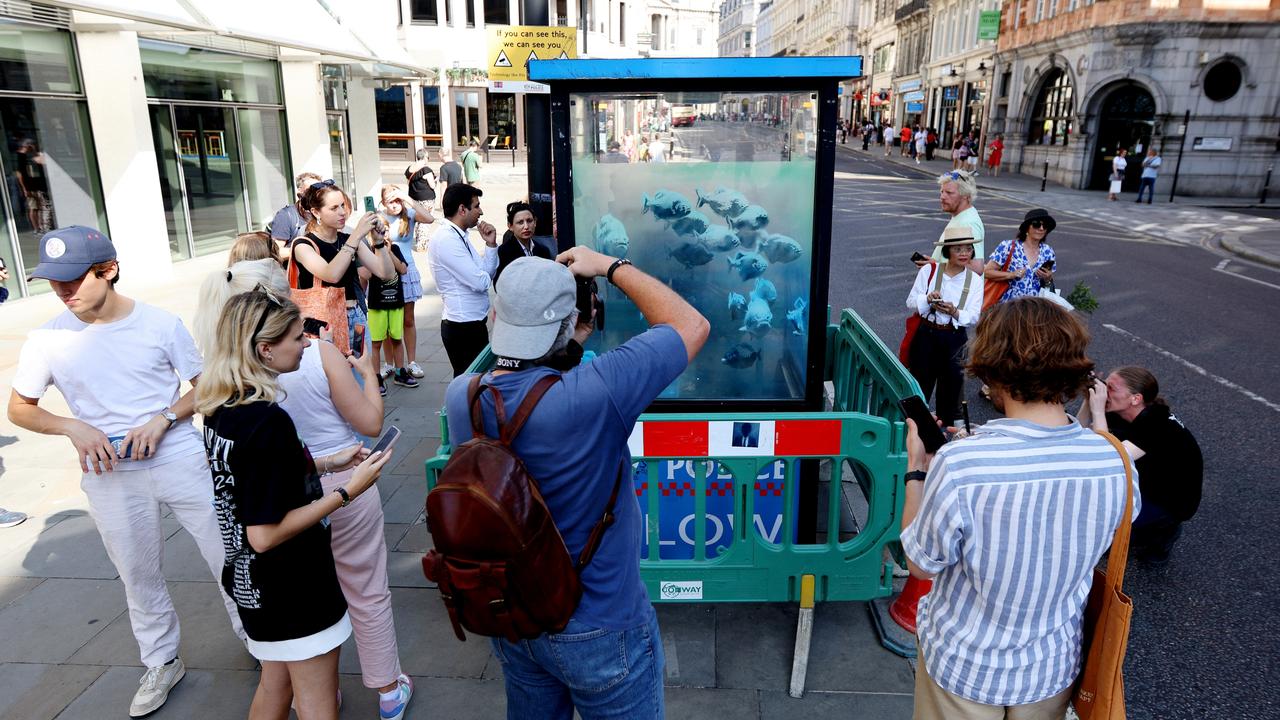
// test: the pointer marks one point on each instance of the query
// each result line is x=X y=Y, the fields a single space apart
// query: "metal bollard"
x=1266 y=185
x=1044 y=179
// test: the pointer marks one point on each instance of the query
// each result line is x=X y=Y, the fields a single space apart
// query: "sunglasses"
x=323 y=184
x=1039 y=224
x=953 y=175
x=266 y=312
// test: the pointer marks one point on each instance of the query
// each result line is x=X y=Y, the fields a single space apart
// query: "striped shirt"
x=1012 y=522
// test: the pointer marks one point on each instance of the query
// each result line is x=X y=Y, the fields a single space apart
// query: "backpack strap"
x=508 y=431
x=474 y=390
x=597 y=532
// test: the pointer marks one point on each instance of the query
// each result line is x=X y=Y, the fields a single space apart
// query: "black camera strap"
x=513 y=364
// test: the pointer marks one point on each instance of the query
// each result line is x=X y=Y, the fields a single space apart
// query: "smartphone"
x=123 y=452
x=1048 y=265
x=313 y=326
x=917 y=257
x=927 y=427
x=964 y=411
x=357 y=340
x=369 y=205
x=390 y=436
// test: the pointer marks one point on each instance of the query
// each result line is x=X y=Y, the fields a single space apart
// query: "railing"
x=911 y=8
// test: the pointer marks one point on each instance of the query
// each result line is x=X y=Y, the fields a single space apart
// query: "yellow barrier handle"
x=806 y=591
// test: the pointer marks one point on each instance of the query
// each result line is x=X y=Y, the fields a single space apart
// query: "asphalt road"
x=1203 y=642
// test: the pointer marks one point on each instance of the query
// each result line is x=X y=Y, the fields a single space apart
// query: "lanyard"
x=463 y=238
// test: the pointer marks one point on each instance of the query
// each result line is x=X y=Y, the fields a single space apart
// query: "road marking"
x=1222 y=268
x=1193 y=367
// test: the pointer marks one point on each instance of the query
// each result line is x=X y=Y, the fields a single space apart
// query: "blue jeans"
x=1148 y=184
x=602 y=673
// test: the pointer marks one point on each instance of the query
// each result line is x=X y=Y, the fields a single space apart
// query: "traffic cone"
x=903 y=609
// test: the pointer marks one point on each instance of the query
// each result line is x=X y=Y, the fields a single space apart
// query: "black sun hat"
x=1037 y=214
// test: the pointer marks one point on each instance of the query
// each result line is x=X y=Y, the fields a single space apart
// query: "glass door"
x=466 y=108
x=340 y=152
x=209 y=155
x=164 y=138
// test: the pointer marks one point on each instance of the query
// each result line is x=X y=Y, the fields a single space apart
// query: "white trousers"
x=125 y=505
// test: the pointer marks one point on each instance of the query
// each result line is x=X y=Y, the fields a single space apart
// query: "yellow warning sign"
x=512 y=46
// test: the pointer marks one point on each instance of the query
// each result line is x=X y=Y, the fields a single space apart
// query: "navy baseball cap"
x=67 y=253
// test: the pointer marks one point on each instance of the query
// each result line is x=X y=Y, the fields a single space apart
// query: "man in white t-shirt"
x=957 y=190
x=120 y=364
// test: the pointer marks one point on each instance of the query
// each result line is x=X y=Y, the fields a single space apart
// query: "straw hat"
x=956 y=235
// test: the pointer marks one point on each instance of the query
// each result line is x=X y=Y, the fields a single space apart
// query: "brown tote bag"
x=1099 y=691
x=993 y=290
x=328 y=304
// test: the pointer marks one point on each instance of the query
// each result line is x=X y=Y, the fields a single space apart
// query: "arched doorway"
x=1126 y=118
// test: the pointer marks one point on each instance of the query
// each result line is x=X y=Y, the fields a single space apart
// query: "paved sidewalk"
x=66 y=650
x=1187 y=220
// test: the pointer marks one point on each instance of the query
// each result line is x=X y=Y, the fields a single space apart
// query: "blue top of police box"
x=838 y=68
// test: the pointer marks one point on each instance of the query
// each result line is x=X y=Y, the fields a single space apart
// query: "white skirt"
x=1115 y=187
x=303 y=648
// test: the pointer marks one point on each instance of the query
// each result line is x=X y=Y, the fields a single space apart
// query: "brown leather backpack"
x=499 y=560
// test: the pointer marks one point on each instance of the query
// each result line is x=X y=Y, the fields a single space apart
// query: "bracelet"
x=914 y=475
x=608 y=276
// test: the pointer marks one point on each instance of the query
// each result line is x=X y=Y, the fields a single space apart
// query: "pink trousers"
x=360 y=554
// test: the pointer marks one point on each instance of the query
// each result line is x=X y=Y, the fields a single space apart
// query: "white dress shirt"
x=952 y=288
x=463 y=274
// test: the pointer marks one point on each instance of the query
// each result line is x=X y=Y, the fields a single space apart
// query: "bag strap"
x=1119 y=555
x=474 y=390
x=964 y=293
x=293 y=262
x=597 y=532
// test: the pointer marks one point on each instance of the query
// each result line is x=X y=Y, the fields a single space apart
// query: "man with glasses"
x=957 y=191
x=463 y=275
x=120 y=364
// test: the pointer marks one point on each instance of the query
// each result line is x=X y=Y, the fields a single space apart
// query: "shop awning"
x=336 y=29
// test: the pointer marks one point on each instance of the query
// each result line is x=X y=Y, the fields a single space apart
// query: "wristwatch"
x=914 y=475
x=169 y=415
x=342 y=493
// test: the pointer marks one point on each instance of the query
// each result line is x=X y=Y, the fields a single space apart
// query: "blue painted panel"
x=842 y=67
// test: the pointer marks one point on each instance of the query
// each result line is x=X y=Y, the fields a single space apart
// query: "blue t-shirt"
x=573 y=445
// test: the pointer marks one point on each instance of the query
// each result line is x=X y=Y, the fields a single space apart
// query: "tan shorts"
x=935 y=703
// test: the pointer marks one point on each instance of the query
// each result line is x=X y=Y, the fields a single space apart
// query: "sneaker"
x=382 y=386
x=416 y=370
x=404 y=379
x=386 y=369
x=155 y=687
x=394 y=708
x=9 y=518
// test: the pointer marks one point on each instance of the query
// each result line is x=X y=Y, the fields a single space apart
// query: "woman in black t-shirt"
x=272 y=510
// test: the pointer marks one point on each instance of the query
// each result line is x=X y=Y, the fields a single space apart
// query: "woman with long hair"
x=328 y=254
x=329 y=407
x=253 y=246
x=272 y=509
x=402 y=214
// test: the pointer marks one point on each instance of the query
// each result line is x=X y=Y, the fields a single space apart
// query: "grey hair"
x=422 y=153
x=965 y=184
x=563 y=337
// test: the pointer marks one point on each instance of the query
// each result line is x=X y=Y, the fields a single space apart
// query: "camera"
x=588 y=300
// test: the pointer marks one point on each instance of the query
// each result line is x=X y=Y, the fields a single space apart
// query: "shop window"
x=36 y=59
x=180 y=72
x=1223 y=81
x=497 y=12
x=424 y=12
x=392 y=118
x=1052 y=111
x=471 y=12
x=431 y=110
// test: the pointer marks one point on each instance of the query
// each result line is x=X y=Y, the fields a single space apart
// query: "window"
x=1051 y=114
x=423 y=12
x=36 y=59
x=471 y=13
x=622 y=24
x=1223 y=80
x=181 y=72
x=497 y=12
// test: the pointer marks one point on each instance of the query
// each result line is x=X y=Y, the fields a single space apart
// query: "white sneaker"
x=394 y=708
x=386 y=370
x=415 y=370
x=155 y=687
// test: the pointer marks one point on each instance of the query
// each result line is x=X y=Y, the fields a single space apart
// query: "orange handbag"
x=993 y=290
x=328 y=304
x=1099 y=690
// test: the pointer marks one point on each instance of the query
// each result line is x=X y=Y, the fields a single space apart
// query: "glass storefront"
x=393 y=117
x=47 y=160
x=502 y=120
x=218 y=128
x=466 y=109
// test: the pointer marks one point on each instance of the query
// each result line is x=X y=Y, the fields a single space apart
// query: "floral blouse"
x=1028 y=284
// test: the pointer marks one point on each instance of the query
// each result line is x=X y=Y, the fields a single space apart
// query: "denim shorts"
x=601 y=673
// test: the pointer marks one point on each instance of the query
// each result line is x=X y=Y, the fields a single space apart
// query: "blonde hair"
x=403 y=228
x=966 y=185
x=221 y=285
x=252 y=246
x=234 y=374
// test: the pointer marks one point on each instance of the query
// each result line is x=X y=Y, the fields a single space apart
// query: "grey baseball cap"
x=67 y=253
x=533 y=297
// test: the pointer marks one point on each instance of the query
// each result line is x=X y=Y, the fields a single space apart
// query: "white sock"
x=389 y=696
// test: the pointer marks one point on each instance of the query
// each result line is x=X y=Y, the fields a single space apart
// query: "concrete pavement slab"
x=416 y=540
x=427 y=643
x=207 y=639
x=200 y=694
x=739 y=704
x=57 y=617
x=404 y=569
x=30 y=691
x=182 y=559
x=435 y=697
x=846 y=655
x=406 y=502
x=68 y=545
x=689 y=643
x=12 y=588
x=775 y=705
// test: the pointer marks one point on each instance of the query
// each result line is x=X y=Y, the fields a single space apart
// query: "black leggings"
x=935 y=358
x=463 y=342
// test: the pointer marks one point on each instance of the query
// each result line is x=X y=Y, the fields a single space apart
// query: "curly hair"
x=1032 y=349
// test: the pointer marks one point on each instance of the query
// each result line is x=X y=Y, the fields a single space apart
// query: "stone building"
x=737 y=29
x=958 y=72
x=1198 y=79
x=877 y=37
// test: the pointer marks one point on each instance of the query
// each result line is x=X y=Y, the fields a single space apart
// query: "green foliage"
x=1082 y=299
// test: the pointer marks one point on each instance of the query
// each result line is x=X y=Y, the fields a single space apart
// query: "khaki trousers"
x=935 y=703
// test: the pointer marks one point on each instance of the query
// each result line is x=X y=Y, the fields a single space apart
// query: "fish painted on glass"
x=695 y=223
x=748 y=237
x=765 y=290
x=720 y=238
x=781 y=249
x=741 y=356
x=610 y=237
x=691 y=253
x=749 y=264
x=665 y=205
x=737 y=306
x=796 y=317
x=724 y=202
x=759 y=317
x=754 y=217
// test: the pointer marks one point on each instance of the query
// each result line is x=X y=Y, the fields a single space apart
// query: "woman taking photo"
x=518 y=242
x=1033 y=263
x=273 y=511
x=328 y=408
x=328 y=253
x=948 y=298
x=402 y=215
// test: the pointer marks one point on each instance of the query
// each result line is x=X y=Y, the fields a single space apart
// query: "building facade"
x=1197 y=79
x=877 y=36
x=959 y=70
x=737 y=31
